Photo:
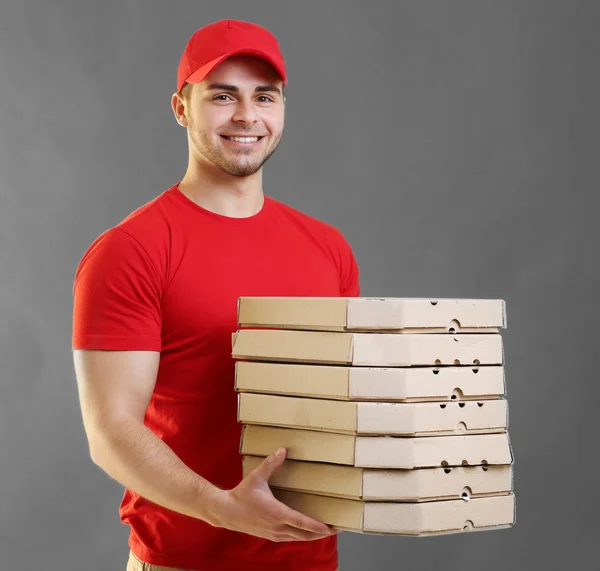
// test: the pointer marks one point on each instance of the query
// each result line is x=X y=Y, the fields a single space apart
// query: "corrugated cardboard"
x=378 y=451
x=410 y=384
x=368 y=349
x=422 y=484
x=374 y=418
x=411 y=315
x=427 y=518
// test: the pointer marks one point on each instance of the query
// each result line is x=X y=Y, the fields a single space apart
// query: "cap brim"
x=203 y=71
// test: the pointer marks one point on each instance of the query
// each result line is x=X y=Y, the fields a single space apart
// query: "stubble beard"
x=240 y=164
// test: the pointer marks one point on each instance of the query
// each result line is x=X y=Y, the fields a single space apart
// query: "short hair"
x=186 y=91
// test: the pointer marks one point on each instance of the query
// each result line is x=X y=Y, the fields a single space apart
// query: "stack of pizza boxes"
x=392 y=410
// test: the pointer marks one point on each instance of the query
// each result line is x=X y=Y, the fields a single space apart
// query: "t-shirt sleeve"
x=349 y=274
x=117 y=296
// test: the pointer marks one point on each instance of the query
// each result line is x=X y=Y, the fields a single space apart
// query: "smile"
x=243 y=140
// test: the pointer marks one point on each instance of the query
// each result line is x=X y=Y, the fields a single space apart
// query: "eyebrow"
x=258 y=88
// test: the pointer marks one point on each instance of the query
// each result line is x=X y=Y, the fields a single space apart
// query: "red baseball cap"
x=213 y=43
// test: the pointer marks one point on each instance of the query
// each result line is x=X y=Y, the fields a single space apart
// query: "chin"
x=240 y=172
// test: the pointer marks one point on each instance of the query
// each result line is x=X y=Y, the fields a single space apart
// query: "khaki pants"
x=134 y=564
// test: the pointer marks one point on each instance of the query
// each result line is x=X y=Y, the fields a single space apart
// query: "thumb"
x=268 y=466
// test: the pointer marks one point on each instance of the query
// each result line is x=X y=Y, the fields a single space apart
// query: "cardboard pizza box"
x=411 y=315
x=417 y=519
x=421 y=484
x=378 y=451
x=368 y=349
x=374 y=418
x=409 y=384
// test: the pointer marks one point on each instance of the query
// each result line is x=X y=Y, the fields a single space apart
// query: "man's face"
x=241 y=97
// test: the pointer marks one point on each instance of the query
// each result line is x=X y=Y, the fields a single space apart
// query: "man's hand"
x=251 y=508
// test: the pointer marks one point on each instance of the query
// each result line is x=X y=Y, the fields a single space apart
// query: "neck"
x=221 y=193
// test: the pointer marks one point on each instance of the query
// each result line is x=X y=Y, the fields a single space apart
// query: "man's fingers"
x=270 y=464
x=297 y=534
x=300 y=521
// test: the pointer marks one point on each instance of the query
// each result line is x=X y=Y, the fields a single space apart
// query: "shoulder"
x=316 y=225
x=136 y=243
x=148 y=222
x=332 y=240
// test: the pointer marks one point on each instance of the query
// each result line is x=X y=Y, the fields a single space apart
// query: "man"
x=155 y=306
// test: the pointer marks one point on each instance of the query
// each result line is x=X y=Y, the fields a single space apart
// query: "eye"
x=265 y=97
x=216 y=98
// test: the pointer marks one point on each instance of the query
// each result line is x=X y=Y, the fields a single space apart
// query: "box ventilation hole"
x=456 y=339
x=475 y=370
x=466 y=493
x=485 y=467
x=438 y=362
x=476 y=362
x=457 y=393
x=453 y=326
x=447 y=470
x=468 y=525
x=480 y=404
x=445 y=463
x=457 y=361
x=435 y=371
x=442 y=406
x=461 y=426
x=433 y=302
x=461 y=404
x=465 y=463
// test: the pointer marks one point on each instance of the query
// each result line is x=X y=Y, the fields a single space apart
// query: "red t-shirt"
x=167 y=279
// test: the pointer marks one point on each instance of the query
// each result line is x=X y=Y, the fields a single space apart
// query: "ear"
x=179 y=110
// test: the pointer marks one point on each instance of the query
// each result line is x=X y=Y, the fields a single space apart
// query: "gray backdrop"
x=455 y=144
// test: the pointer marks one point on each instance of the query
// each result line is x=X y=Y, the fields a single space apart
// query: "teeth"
x=243 y=139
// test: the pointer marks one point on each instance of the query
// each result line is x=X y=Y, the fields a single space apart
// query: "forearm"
x=133 y=455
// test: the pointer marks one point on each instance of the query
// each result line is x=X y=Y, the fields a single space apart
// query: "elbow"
x=100 y=437
x=96 y=446
x=105 y=435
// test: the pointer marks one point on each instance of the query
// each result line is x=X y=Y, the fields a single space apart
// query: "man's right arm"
x=115 y=388
x=114 y=391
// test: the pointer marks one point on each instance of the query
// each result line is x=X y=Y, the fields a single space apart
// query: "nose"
x=245 y=112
